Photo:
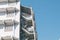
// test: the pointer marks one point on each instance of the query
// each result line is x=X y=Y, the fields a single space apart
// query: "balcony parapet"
x=9 y=38
x=8 y=22
x=9 y=10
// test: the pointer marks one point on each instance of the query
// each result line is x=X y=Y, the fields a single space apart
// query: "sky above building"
x=47 y=16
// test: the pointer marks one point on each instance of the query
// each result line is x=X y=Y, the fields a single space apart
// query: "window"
x=10 y=12
x=8 y=25
x=8 y=28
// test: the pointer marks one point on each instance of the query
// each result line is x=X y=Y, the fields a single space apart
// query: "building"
x=16 y=22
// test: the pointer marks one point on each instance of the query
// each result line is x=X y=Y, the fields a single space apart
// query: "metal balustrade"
x=29 y=33
x=26 y=14
x=30 y=29
x=27 y=18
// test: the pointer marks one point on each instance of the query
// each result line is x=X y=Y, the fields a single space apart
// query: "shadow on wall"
x=3 y=3
x=1 y=26
x=1 y=14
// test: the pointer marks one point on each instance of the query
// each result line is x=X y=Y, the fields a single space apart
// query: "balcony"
x=26 y=13
x=10 y=22
x=25 y=10
x=6 y=38
x=9 y=38
x=30 y=29
x=8 y=11
x=12 y=10
x=27 y=16
x=27 y=33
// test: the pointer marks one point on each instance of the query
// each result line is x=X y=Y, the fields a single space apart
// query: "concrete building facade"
x=16 y=22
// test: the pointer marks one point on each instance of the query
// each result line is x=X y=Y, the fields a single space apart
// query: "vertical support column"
x=33 y=22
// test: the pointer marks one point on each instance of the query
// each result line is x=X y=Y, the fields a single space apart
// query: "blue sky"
x=47 y=16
